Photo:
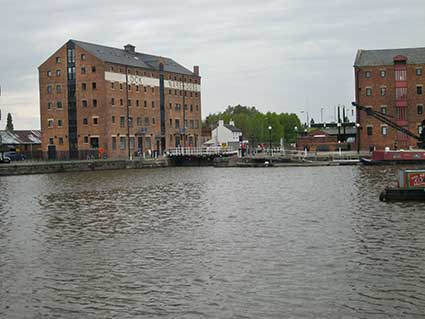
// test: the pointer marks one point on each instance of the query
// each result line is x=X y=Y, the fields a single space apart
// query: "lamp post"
x=270 y=138
x=358 y=137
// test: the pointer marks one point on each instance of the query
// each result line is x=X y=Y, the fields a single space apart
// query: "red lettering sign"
x=416 y=179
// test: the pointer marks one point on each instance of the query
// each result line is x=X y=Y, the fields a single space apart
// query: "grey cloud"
x=280 y=55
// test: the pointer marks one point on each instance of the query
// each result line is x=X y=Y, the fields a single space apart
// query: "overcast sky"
x=277 y=55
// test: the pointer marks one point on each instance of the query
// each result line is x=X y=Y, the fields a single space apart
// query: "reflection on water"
x=205 y=242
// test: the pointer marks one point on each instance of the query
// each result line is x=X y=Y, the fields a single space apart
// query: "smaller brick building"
x=320 y=141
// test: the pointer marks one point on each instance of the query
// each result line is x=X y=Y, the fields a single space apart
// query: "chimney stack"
x=130 y=48
x=196 y=69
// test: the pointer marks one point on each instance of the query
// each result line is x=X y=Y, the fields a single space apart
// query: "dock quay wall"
x=24 y=168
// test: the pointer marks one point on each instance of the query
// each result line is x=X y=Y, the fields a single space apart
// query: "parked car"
x=4 y=159
x=13 y=156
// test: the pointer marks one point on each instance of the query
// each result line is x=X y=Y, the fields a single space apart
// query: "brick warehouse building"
x=391 y=82
x=123 y=101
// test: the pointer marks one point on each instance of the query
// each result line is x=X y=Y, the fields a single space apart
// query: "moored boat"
x=411 y=186
x=383 y=157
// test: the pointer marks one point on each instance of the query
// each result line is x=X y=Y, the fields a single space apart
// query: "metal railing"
x=200 y=151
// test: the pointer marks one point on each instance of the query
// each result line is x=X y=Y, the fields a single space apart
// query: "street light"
x=270 y=139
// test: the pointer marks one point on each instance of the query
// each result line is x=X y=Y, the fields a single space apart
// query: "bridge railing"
x=199 y=151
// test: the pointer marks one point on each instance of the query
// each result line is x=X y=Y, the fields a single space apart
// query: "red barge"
x=395 y=157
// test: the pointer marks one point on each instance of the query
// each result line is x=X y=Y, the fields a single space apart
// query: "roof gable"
x=388 y=56
x=135 y=59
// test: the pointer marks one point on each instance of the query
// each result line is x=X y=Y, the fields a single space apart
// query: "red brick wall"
x=54 y=113
x=104 y=111
x=376 y=101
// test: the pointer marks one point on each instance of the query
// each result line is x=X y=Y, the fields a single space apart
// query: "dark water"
x=210 y=243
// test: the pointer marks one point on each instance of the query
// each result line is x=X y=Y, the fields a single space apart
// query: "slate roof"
x=20 y=137
x=135 y=59
x=232 y=128
x=385 y=57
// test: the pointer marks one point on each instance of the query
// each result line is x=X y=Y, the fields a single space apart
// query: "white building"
x=225 y=135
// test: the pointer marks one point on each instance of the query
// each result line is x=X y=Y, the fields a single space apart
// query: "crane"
x=385 y=118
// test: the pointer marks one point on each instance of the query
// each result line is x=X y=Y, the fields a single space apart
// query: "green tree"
x=254 y=124
x=9 y=122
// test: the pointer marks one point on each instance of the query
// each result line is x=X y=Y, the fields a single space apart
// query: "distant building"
x=317 y=140
x=346 y=132
x=225 y=135
x=123 y=101
x=392 y=82
x=27 y=142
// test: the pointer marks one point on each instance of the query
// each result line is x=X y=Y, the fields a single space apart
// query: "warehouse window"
x=383 y=91
x=122 y=121
x=114 y=142
x=84 y=102
x=148 y=142
x=58 y=73
x=113 y=119
x=86 y=139
x=84 y=86
x=384 y=130
x=122 y=142
x=59 y=123
x=59 y=104
x=58 y=59
x=49 y=73
x=383 y=73
x=420 y=108
x=83 y=57
x=50 y=123
x=367 y=74
x=93 y=85
x=60 y=140
x=369 y=130
x=146 y=121
x=419 y=89
x=368 y=91
x=83 y=70
x=85 y=121
x=93 y=69
x=400 y=75
x=95 y=120
x=383 y=109
x=94 y=103
x=418 y=71
x=49 y=105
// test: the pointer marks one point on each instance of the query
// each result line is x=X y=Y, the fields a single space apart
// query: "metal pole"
x=270 y=140
x=184 y=115
x=128 y=113
x=321 y=115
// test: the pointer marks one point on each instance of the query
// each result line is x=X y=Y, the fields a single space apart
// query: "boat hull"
x=395 y=157
x=402 y=194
